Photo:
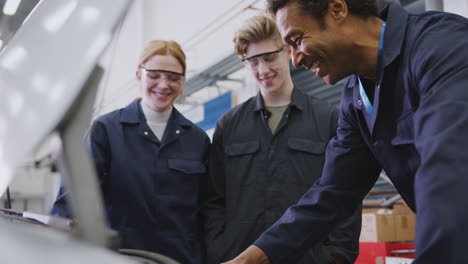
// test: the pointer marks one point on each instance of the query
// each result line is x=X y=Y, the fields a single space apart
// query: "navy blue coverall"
x=151 y=188
x=418 y=134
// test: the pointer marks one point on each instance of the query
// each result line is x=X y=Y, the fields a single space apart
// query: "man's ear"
x=338 y=9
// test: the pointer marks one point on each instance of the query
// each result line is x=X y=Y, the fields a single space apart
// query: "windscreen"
x=43 y=68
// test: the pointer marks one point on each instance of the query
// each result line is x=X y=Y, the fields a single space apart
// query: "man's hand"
x=252 y=255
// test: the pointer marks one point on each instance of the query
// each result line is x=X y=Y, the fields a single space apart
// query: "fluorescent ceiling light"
x=10 y=7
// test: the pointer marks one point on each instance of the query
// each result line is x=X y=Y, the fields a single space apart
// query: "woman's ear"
x=138 y=74
x=182 y=85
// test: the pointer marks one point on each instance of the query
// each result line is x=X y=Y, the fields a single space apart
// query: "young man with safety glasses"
x=267 y=152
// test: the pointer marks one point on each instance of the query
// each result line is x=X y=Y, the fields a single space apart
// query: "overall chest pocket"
x=240 y=165
x=186 y=166
x=307 y=146
x=404 y=130
x=239 y=149
x=306 y=160
x=182 y=178
x=405 y=160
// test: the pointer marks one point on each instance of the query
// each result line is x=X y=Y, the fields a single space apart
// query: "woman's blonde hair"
x=255 y=29
x=163 y=47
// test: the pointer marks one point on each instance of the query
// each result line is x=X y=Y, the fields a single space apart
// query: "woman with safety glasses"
x=151 y=162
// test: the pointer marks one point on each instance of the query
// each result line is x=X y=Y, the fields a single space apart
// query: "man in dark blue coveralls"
x=404 y=109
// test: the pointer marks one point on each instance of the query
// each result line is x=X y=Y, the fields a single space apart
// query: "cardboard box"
x=404 y=227
x=400 y=207
x=377 y=227
x=385 y=226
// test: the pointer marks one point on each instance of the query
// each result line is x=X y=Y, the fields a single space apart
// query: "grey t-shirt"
x=276 y=115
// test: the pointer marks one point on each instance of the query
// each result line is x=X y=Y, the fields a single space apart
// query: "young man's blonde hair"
x=162 y=47
x=255 y=29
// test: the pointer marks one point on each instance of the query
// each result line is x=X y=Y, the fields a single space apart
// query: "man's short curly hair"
x=318 y=8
